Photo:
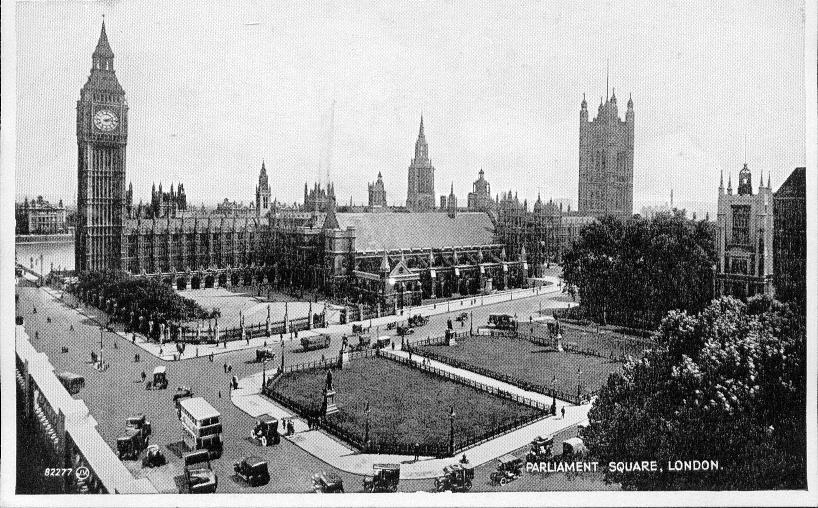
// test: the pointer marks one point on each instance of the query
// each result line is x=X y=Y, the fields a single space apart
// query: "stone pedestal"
x=344 y=359
x=329 y=402
x=559 y=342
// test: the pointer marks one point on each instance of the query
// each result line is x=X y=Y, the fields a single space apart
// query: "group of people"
x=313 y=422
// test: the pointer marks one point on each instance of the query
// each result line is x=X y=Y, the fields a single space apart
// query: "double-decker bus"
x=201 y=425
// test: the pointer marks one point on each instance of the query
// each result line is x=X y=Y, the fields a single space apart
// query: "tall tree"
x=728 y=384
x=633 y=272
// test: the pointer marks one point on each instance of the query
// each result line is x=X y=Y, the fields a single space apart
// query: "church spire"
x=420 y=133
x=103 y=56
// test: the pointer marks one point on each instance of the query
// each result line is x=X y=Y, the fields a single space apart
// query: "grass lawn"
x=529 y=362
x=406 y=405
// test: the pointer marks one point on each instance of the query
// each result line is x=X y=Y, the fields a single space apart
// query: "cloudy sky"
x=215 y=87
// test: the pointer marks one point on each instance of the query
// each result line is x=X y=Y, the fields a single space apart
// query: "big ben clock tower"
x=102 y=133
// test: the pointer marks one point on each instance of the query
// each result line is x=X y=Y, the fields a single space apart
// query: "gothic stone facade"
x=745 y=238
x=420 y=195
x=606 y=160
x=102 y=134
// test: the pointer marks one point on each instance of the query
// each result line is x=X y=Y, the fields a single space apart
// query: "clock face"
x=106 y=120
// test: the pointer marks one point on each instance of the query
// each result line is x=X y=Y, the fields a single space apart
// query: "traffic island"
x=540 y=368
x=387 y=407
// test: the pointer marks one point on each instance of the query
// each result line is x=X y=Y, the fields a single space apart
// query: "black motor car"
x=253 y=470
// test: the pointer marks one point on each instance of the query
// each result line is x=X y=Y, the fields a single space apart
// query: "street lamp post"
x=263 y=373
x=451 y=430
x=101 y=329
x=366 y=430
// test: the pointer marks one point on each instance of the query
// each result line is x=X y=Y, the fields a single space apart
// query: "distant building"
x=606 y=160
x=377 y=193
x=744 y=238
x=317 y=199
x=479 y=199
x=450 y=203
x=39 y=217
x=790 y=238
x=263 y=193
x=420 y=195
x=649 y=212
x=166 y=204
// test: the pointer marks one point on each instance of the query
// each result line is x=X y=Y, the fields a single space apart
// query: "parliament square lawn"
x=407 y=405
x=531 y=363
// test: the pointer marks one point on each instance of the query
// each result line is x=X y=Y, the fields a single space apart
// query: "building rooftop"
x=425 y=230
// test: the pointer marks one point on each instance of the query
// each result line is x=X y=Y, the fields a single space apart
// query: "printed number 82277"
x=57 y=471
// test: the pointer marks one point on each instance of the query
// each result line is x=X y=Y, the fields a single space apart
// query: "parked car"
x=540 y=449
x=463 y=316
x=417 y=321
x=315 y=342
x=266 y=431
x=573 y=448
x=509 y=468
x=502 y=322
x=324 y=482
x=72 y=382
x=382 y=341
x=154 y=457
x=139 y=423
x=252 y=470
x=385 y=478
x=455 y=478
x=160 y=379
x=265 y=354
x=199 y=476
x=130 y=445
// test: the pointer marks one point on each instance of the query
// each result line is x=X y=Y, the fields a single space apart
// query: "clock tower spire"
x=102 y=135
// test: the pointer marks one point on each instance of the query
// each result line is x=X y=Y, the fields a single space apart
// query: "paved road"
x=115 y=394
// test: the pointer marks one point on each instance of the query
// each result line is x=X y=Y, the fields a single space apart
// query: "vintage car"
x=357 y=328
x=502 y=322
x=266 y=431
x=252 y=470
x=463 y=316
x=160 y=379
x=382 y=341
x=540 y=449
x=324 y=482
x=131 y=444
x=315 y=342
x=182 y=392
x=417 y=321
x=154 y=457
x=509 y=468
x=199 y=476
x=72 y=382
x=265 y=354
x=140 y=424
x=456 y=478
x=364 y=341
x=573 y=448
x=404 y=330
x=384 y=478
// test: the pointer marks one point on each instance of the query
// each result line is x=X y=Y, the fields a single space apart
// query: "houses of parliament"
x=389 y=256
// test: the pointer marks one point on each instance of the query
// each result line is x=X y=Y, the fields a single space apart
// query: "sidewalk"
x=325 y=447
x=169 y=349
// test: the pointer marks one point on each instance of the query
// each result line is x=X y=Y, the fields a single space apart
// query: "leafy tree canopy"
x=633 y=272
x=728 y=384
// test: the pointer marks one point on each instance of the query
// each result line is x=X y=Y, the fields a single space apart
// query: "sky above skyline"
x=214 y=88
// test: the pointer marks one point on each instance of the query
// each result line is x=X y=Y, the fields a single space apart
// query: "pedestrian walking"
x=144 y=376
x=229 y=368
x=225 y=367
x=211 y=357
x=417 y=451
x=563 y=412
